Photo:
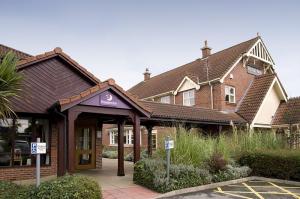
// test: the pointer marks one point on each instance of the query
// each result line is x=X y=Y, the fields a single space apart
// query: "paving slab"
x=118 y=187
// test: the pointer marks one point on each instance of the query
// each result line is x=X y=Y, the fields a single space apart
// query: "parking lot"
x=249 y=190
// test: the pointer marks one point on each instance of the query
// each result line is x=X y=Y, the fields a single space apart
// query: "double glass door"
x=85 y=147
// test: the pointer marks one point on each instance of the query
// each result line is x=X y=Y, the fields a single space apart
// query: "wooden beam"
x=121 y=124
x=72 y=115
x=137 y=137
x=149 y=131
x=61 y=149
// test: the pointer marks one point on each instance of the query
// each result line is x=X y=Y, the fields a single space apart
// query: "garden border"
x=220 y=184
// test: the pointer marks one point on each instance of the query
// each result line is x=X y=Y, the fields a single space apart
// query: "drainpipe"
x=65 y=136
x=211 y=95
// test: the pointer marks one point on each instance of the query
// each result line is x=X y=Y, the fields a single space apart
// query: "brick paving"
x=116 y=187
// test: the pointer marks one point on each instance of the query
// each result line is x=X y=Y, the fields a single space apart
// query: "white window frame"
x=165 y=99
x=188 y=98
x=128 y=134
x=231 y=96
x=154 y=134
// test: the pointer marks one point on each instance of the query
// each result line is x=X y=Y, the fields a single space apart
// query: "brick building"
x=78 y=115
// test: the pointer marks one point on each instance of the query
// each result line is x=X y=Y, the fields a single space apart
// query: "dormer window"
x=165 y=99
x=189 y=98
x=229 y=94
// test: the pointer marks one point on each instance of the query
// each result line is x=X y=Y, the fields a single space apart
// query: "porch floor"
x=115 y=187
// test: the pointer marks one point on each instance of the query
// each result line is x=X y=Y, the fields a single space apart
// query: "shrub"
x=62 y=187
x=152 y=174
x=110 y=154
x=129 y=156
x=217 y=162
x=11 y=190
x=70 y=186
x=282 y=164
x=231 y=172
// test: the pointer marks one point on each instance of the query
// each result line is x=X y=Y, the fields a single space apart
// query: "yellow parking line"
x=285 y=190
x=231 y=194
x=253 y=191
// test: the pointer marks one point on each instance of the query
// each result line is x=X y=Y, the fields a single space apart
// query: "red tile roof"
x=56 y=52
x=255 y=96
x=218 y=64
x=110 y=83
x=5 y=49
x=288 y=112
x=179 y=112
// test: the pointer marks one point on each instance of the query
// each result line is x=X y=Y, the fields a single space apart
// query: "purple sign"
x=106 y=98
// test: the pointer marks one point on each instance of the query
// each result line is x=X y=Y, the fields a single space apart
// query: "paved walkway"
x=115 y=187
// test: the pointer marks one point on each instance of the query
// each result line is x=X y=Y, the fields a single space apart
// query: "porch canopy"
x=105 y=102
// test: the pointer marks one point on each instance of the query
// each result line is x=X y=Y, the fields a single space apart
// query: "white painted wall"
x=269 y=107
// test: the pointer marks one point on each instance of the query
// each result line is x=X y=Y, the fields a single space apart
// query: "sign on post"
x=38 y=148
x=169 y=144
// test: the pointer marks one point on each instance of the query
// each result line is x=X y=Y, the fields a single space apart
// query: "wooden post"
x=61 y=150
x=137 y=137
x=149 y=130
x=71 y=140
x=121 y=148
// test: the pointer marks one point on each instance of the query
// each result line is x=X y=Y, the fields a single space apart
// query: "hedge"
x=282 y=164
x=151 y=173
x=67 y=187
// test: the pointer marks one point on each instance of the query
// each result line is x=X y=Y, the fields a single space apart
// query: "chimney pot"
x=206 y=51
x=147 y=74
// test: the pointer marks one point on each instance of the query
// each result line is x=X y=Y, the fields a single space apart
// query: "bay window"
x=15 y=141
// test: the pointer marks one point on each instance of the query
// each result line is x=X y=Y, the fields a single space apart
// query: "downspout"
x=65 y=136
x=211 y=88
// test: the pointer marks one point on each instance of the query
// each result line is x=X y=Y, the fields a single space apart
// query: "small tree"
x=10 y=82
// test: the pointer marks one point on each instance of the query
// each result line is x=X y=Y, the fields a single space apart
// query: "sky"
x=119 y=39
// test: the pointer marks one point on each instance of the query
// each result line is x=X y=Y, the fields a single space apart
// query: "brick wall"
x=241 y=81
x=28 y=172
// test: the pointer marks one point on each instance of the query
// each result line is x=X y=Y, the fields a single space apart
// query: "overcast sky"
x=119 y=39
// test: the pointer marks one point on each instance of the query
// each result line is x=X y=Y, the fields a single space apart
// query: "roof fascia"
x=231 y=68
x=158 y=95
x=263 y=44
x=186 y=78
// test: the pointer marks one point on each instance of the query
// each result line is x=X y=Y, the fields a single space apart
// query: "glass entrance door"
x=85 y=147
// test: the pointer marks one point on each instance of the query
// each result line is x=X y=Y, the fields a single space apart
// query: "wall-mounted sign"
x=254 y=71
x=108 y=99
x=38 y=148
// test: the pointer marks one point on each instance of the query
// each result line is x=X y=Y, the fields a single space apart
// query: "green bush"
x=110 y=154
x=11 y=190
x=151 y=173
x=75 y=187
x=231 y=173
x=70 y=186
x=282 y=164
x=129 y=156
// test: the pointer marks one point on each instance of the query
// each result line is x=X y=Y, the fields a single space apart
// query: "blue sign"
x=33 y=148
x=169 y=144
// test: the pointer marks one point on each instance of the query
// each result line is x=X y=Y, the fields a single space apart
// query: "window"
x=128 y=137
x=15 y=138
x=189 y=98
x=154 y=139
x=165 y=99
x=230 y=94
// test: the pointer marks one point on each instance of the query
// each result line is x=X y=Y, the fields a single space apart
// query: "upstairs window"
x=165 y=99
x=229 y=94
x=189 y=98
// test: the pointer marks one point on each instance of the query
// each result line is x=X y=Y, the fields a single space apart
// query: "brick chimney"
x=205 y=50
x=147 y=75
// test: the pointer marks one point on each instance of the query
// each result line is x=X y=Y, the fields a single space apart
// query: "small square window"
x=165 y=99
